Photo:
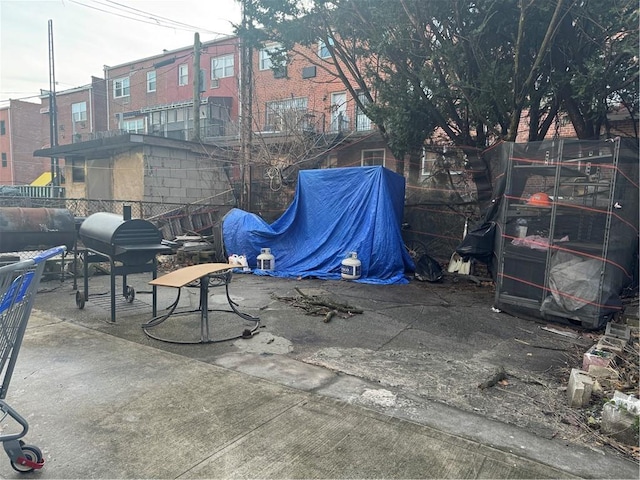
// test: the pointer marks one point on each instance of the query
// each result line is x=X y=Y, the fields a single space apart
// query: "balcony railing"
x=23 y=195
x=284 y=123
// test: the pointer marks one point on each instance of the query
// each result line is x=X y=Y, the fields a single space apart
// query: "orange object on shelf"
x=540 y=199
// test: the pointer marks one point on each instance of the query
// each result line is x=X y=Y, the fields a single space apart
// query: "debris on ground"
x=613 y=363
x=194 y=249
x=496 y=378
x=320 y=305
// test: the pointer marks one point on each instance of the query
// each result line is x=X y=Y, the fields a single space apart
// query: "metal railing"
x=19 y=193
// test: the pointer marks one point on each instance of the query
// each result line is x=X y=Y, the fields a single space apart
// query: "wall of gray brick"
x=181 y=176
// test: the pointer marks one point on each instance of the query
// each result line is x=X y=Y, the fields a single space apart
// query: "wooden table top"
x=184 y=276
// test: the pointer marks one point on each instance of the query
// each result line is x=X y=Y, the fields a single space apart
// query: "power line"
x=148 y=18
x=155 y=17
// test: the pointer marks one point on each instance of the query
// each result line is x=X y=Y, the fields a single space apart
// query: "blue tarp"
x=334 y=212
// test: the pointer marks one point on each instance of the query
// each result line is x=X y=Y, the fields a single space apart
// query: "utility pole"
x=53 y=115
x=195 y=136
x=246 y=99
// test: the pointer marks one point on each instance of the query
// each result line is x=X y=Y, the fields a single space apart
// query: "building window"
x=372 y=158
x=151 y=81
x=2 y=128
x=222 y=67
x=428 y=160
x=77 y=170
x=121 y=87
x=323 y=49
x=266 y=55
x=339 y=117
x=183 y=75
x=133 y=126
x=363 y=123
x=79 y=112
x=289 y=114
x=4 y=159
x=156 y=118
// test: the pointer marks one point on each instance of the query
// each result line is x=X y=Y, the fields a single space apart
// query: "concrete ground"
x=390 y=392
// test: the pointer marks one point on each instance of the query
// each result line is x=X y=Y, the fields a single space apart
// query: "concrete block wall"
x=182 y=176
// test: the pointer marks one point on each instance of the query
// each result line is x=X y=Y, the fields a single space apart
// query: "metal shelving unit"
x=579 y=202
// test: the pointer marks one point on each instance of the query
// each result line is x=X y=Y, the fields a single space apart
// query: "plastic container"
x=266 y=260
x=351 y=267
x=239 y=261
x=521 y=228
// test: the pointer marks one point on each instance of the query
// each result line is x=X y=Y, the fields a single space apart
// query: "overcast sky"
x=88 y=34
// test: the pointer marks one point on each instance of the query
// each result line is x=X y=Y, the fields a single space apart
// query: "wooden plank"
x=184 y=276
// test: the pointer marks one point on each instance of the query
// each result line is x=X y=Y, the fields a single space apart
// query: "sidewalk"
x=103 y=405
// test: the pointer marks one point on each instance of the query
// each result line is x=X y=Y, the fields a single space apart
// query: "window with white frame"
x=373 y=157
x=79 y=111
x=133 y=126
x=323 y=49
x=183 y=74
x=222 y=67
x=436 y=159
x=157 y=118
x=363 y=123
x=151 y=81
x=266 y=54
x=121 y=87
x=289 y=114
x=427 y=161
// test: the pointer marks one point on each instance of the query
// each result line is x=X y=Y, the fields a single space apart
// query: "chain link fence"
x=202 y=219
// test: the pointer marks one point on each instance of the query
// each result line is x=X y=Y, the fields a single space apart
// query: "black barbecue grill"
x=129 y=245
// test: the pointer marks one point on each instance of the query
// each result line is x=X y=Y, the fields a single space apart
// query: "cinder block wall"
x=181 y=176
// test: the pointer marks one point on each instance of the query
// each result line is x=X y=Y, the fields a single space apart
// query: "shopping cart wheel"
x=32 y=454
x=80 y=299
x=131 y=294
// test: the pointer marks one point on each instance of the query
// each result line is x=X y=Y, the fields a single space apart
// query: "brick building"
x=155 y=95
x=305 y=95
x=20 y=135
x=82 y=112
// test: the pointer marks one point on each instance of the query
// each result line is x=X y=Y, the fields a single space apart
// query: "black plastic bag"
x=478 y=243
x=428 y=269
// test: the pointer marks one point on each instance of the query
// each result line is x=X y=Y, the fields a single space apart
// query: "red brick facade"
x=20 y=136
x=155 y=95
x=82 y=112
x=322 y=92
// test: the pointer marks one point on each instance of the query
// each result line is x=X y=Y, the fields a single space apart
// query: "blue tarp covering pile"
x=334 y=212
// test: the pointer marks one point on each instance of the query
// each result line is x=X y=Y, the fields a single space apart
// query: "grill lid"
x=133 y=241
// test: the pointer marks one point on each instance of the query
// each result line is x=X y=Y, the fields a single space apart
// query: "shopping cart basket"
x=18 y=286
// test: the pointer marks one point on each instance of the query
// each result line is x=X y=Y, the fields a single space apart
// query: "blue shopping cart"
x=18 y=287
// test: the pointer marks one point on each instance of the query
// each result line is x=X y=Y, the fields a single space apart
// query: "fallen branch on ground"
x=321 y=306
